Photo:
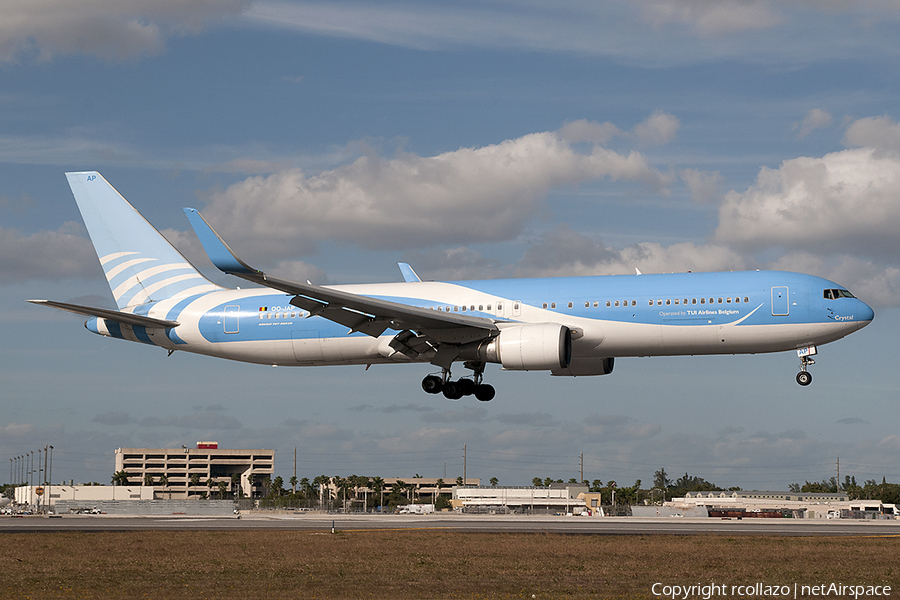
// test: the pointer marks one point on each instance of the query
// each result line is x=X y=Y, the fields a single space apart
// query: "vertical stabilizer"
x=141 y=266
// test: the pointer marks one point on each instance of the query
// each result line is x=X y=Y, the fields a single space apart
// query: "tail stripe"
x=114 y=256
x=111 y=274
x=146 y=294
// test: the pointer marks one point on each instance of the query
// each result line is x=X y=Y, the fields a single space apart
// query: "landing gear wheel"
x=484 y=392
x=432 y=384
x=453 y=390
x=804 y=378
x=467 y=386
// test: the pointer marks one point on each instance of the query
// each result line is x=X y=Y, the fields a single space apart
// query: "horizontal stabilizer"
x=112 y=315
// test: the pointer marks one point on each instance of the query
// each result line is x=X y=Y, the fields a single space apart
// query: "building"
x=44 y=495
x=799 y=504
x=179 y=473
x=559 y=497
x=756 y=495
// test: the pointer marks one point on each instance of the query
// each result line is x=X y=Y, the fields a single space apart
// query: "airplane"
x=567 y=326
x=4 y=500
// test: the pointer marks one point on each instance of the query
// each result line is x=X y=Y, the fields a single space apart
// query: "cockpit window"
x=837 y=293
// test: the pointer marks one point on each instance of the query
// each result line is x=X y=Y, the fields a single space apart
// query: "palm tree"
x=210 y=484
x=164 y=482
x=223 y=485
x=120 y=478
x=537 y=482
x=148 y=479
x=306 y=487
x=320 y=482
x=293 y=481
x=437 y=484
x=494 y=481
x=236 y=485
x=378 y=487
x=460 y=482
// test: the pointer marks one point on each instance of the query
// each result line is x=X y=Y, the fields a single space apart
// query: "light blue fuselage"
x=611 y=316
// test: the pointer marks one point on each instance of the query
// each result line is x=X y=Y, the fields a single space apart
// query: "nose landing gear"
x=804 y=377
x=454 y=390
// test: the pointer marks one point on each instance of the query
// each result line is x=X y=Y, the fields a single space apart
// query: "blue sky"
x=327 y=141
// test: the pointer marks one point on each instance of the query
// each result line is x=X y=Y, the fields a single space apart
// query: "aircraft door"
x=780 y=301
x=231 y=321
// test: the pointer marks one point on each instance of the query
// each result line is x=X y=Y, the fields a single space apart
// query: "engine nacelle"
x=537 y=347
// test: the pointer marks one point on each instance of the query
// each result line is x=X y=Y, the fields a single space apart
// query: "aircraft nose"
x=864 y=314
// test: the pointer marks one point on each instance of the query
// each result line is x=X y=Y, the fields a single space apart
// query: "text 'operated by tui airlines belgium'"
x=574 y=326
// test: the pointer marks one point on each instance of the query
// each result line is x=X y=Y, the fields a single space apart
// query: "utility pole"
x=464 y=464
x=582 y=468
x=295 y=470
x=839 y=473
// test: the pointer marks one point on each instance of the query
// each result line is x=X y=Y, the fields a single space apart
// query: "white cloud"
x=815 y=119
x=712 y=17
x=566 y=252
x=469 y=195
x=658 y=129
x=46 y=254
x=880 y=133
x=110 y=29
x=589 y=131
x=846 y=200
x=703 y=185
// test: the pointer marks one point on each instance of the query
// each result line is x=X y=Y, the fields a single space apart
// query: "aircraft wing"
x=112 y=315
x=368 y=315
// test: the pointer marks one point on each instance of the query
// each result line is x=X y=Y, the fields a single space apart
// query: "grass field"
x=419 y=564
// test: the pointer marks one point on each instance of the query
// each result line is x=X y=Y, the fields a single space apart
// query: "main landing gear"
x=454 y=390
x=804 y=377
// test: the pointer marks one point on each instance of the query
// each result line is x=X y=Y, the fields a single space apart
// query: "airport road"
x=459 y=523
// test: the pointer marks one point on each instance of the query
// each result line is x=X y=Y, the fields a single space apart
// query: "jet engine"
x=533 y=347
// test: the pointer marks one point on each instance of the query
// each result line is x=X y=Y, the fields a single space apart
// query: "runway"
x=458 y=523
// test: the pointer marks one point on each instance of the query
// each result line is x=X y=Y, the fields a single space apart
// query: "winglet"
x=408 y=274
x=221 y=255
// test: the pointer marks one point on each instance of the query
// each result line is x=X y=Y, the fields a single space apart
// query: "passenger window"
x=607 y=304
x=587 y=304
x=676 y=301
x=659 y=302
x=702 y=300
x=499 y=307
x=544 y=305
x=553 y=305
x=651 y=303
x=720 y=301
x=456 y=309
x=617 y=302
x=596 y=304
x=570 y=305
x=489 y=308
x=727 y=300
x=737 y=300
x=464 y=308
x=711 y=300
x=746 y=299
x=634 y=302
x=668 y=302
x=480 y=307
x=693 y=301
x=472 y=308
